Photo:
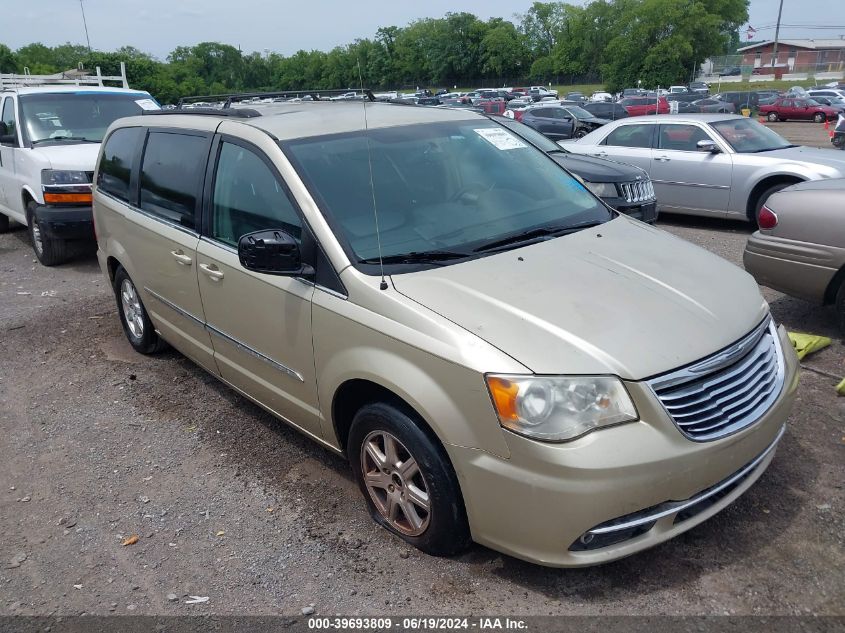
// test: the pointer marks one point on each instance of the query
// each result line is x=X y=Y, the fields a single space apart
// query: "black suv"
x=626 y=188
x=605 y=110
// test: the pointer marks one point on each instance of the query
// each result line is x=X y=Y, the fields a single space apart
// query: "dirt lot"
x=803 y=132
x=99 y=443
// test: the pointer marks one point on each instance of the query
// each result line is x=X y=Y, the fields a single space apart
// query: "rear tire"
x=49 y=251
x=412 y=475
x=764 y=197
x=839 y=306
x=137 y=326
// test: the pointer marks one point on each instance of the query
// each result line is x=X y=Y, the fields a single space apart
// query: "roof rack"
x=234 y=113
x=78 y=77
x=238 y=97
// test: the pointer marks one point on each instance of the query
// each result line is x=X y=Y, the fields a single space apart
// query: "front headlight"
x=63 y=177
x=602 y=189
x=558 y=408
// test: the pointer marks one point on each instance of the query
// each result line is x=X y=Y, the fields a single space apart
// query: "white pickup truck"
x=50 y=134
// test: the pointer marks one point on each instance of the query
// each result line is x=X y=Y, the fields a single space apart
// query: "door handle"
x=663 y=159
x=212 y=271
x=181 y=258
x=601 y=155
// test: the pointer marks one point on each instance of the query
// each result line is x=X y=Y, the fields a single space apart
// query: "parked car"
x=838 y=138
x=552 y=121
x=720 y=165
x=789 y=108
x=836 y=103
x=584 y=120
x=678 y=90
x=49 y=138
x=579 y=97
x=826 y=92
x=538 y=92
x=714 y=105
x=637 y=106
x=626 y=188
x=740 y=99
x=504 y=359
x=800 y=247
x=698 y=87
x=606 y=110
x=731 y=71
x=632 y=92
x=600 y=97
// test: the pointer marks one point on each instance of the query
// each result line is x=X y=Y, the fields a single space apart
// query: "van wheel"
x=819 y=117
x=839 y=306
x=49 y=251
x=407 y=480
x=133 y=316
x=4 y=223
x=773 y=116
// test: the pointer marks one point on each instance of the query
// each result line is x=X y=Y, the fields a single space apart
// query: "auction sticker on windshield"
x=499 y=138
x=147 y=104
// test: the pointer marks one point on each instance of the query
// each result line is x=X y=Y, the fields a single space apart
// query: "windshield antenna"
x=383 y=284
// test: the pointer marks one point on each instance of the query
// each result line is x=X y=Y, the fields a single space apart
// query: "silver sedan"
x=718 y=165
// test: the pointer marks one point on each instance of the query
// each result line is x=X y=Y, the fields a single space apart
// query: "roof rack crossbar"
x=67 y=78
x=237 y=97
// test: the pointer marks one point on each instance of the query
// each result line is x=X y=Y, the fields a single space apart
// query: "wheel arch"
x=833 y=287
x=762 y=185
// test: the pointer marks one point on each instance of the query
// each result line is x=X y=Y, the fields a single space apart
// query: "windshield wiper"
x=422 y=257
x=535 y=234
x=769 y=149
x=65 y=138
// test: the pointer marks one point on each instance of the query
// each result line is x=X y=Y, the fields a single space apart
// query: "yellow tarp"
x=807 y=343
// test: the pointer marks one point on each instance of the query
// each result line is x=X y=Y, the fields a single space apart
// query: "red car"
x=800 y=108
x=637 y=106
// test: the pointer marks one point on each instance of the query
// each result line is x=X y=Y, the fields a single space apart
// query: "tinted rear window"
x=116 y=164
x=170 y=176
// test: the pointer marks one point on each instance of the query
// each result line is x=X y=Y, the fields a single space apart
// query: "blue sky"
x=285 y=26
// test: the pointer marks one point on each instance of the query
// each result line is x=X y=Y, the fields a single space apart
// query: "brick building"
x=819 y=55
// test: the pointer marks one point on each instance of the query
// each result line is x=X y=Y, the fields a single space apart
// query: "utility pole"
x=85 y=23
x=777 y=33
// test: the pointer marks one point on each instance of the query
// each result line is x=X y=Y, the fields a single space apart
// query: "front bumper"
x=799 y=269
x=66 y=223
x=643 y=211
x=540 y=502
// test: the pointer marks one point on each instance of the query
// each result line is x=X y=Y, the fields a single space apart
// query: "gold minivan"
x=501 y=357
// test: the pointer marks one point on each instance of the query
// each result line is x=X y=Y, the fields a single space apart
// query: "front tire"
x=819 y=117
x=773 y=117
x=4 y=223
x=839 y=306
x=405 y=476
x=580 y=133
x=136 y=323
x=49 y=251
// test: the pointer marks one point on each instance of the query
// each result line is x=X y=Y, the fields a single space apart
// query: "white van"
x=50 y=134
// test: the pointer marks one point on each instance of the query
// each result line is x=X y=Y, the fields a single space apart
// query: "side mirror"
x=707 y=145
x=274 y=252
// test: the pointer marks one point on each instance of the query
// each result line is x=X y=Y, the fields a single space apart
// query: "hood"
x=824 y=157
x=76 y=156
x=623 y=298
x=594 y=120
x=594 y=169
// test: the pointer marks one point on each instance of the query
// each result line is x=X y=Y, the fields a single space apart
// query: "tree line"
x=615 y=42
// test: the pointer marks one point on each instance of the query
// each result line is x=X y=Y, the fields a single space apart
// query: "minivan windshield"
x=747 y=136
x=78 y=117
x=443 y=191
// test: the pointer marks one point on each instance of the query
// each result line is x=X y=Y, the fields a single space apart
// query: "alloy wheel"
x=132 y=310
x=395 y=483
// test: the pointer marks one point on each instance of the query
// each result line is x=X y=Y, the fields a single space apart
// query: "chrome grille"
x=637 y=191
x=728 y=391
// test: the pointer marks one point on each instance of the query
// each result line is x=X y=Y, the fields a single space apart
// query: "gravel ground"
x=100 y=444
x=804 y=132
